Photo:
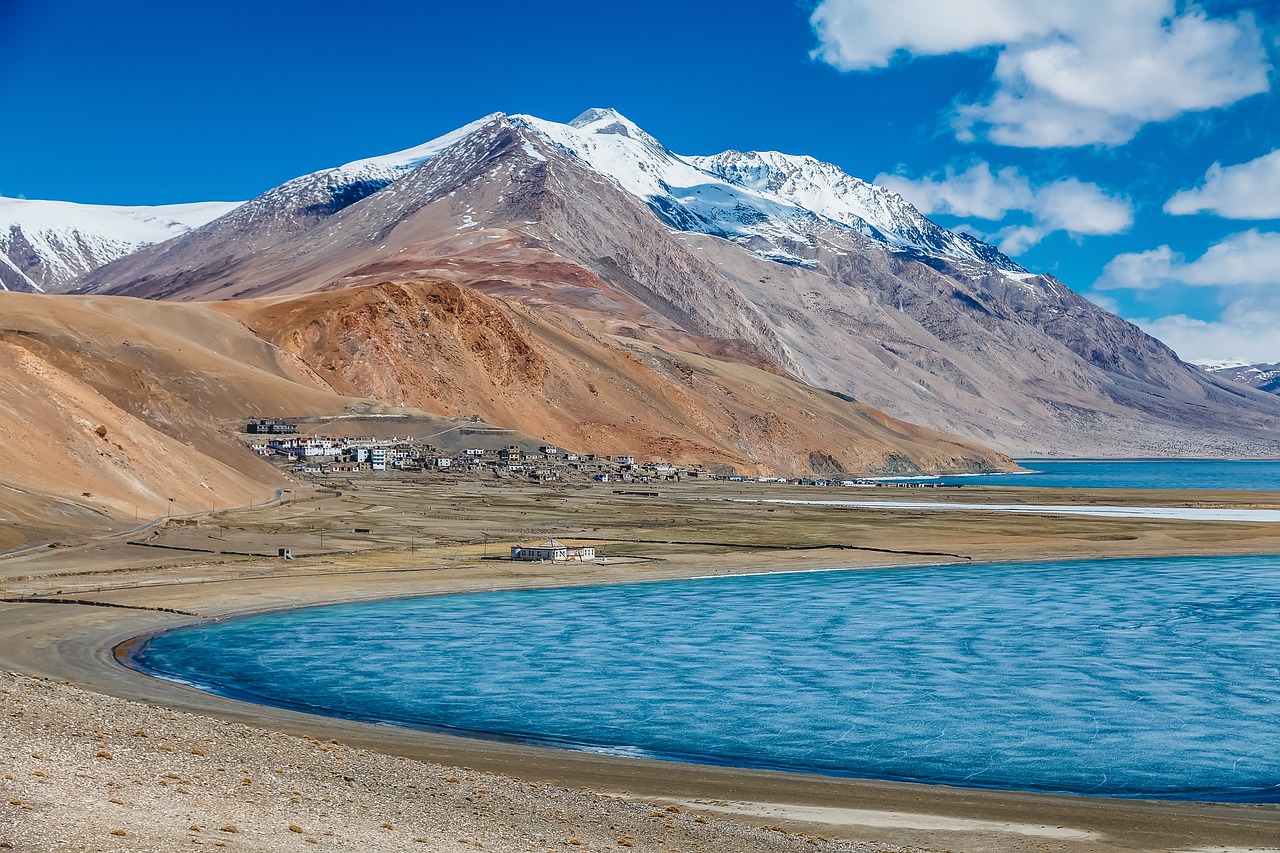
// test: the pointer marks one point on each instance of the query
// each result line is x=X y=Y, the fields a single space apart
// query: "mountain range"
x=755 y=309
x=784 y=260
x=45 y=246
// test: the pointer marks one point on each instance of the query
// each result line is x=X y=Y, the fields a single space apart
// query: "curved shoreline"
x=130 y=654
x=79 y=644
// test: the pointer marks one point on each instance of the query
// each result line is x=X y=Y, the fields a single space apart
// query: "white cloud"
x=855 y=35
x=1244 y=191
x=1139 y=270
x=1071 y=205
x=1250 y=259
x=1246 y=331
x=977 y=191
x=1068 y=73
x=1106 y=303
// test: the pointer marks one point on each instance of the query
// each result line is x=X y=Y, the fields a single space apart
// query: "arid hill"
x=448 y=349
x=114 y=405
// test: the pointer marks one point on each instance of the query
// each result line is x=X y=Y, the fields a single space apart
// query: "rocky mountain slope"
x=449 y=349
x=46 y=245
x=769 y=260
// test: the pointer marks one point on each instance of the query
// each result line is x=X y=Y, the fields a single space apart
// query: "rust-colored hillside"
x=449 y=349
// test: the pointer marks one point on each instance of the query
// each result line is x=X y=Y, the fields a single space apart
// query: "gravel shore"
x=84 y=772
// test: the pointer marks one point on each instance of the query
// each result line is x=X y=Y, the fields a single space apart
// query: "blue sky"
x=1080 y=137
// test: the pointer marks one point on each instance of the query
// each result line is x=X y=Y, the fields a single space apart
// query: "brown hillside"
x=449 y=349
x=110 y=406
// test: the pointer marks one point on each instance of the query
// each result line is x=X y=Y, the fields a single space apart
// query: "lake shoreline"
x=569 y=702
x=77 y=643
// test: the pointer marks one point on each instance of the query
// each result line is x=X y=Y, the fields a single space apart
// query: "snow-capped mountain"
x=47 y=245
x=319 y=194
x=828 y=191
x=1264 y=377
x=769 y=259
x=778 y=206
x=786 y=201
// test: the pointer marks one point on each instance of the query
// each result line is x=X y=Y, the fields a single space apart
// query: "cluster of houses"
x=315 y=454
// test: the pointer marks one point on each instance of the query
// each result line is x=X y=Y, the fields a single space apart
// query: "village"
x=282 y=443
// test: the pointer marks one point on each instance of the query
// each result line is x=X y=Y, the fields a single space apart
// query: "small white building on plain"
x=556 y=552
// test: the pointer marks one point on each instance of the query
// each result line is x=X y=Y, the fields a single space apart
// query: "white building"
x=556 y=552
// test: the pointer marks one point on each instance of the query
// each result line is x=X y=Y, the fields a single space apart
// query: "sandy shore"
x=71 y=802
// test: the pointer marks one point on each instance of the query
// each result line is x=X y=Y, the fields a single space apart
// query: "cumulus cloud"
x=977 y=191
x=1069 y=204
x=1249 y=258
x=1067 y=74
x=1244 y=191
x=1245 y=331
x=855 y=35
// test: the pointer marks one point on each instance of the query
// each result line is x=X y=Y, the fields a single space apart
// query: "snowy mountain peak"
x=413 y=157
x=830 y=192
x=45 y=245
x=609 y=120
x=775 y=202
x=780 y=206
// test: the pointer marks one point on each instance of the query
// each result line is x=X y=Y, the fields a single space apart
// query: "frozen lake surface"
x=1175 y=513
x=1152 y=677
x=1251 y=474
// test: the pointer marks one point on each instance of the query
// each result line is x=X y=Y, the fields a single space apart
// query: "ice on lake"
x=1154 y=677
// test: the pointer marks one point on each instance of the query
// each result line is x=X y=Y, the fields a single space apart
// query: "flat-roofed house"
x=556 y=552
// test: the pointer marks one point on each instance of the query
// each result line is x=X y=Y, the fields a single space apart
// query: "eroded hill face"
x=449 y=349
x=112 y=406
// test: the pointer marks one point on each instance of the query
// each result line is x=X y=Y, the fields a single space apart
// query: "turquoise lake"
x=1124 y=678
x=1254 y=474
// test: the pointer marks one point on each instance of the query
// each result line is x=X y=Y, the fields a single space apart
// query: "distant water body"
x=1251 y=474
x=1125 y=678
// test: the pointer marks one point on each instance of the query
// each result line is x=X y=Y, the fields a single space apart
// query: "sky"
x=1129 y=147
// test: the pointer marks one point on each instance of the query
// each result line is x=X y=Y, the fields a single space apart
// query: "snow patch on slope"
x=828 y=191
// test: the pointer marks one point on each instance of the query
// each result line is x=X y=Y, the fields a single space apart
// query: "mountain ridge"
x=596 y=219
x=47 y=245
